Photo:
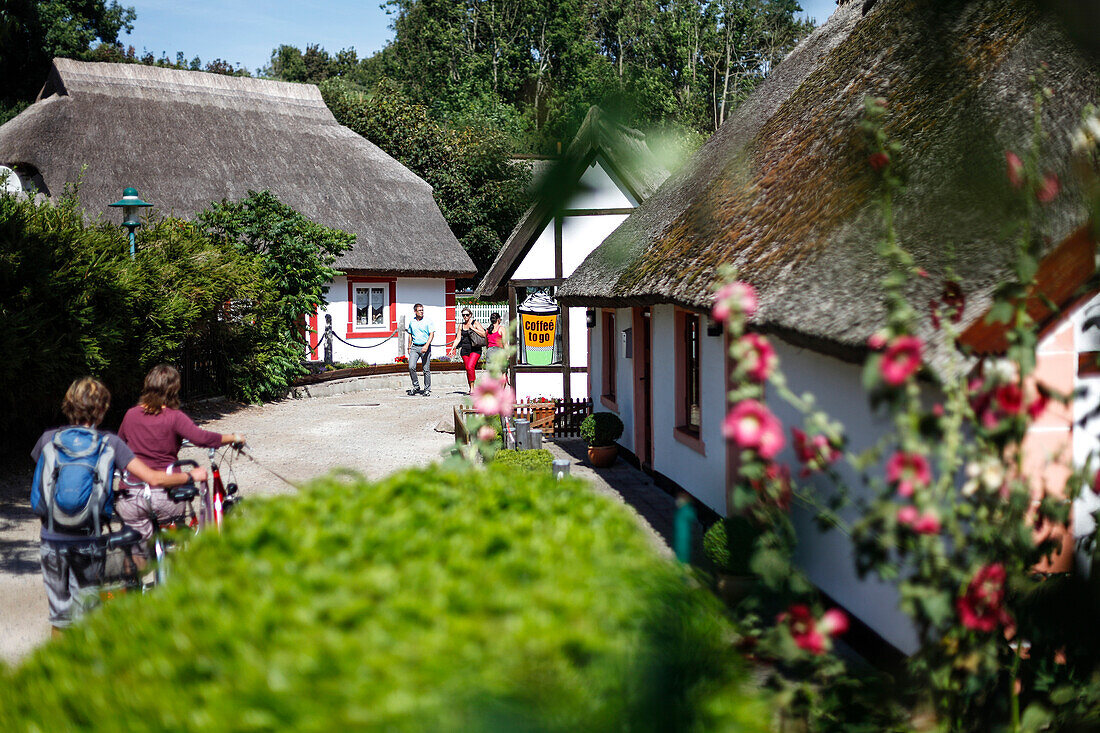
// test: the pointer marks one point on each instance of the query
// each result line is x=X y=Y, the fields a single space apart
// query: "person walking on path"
x=494 y=339
x=72 y=560
x=469 y=341
x=421 y=334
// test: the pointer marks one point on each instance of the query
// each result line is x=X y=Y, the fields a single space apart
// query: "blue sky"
x=246 y=32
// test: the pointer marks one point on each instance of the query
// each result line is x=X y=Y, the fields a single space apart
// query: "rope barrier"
x=356 y=346
x=276 y=474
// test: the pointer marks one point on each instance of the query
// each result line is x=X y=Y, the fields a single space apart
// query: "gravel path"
x=373 y=431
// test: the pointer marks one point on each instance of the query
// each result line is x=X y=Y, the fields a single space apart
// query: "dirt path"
x=374 y=431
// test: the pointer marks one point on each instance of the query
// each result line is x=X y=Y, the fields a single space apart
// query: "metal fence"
x=202 y=373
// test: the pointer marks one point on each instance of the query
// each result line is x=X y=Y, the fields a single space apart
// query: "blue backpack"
x=73 y=480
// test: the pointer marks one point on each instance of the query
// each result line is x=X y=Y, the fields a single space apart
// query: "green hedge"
x=443 y=598
x=536 y=461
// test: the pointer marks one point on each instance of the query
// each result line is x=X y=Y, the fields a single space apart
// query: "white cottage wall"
x=703 y=475
x=429 y=291
x=827 y=558
x=598 y=189
x=538 y=263
x=582 y=234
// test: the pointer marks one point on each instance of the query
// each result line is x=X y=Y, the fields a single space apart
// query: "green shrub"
x=537 y=461
x=730 y=543
x=601 y=428
x=442 y=598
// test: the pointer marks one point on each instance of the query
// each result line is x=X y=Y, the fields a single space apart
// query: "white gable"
x=598 y=190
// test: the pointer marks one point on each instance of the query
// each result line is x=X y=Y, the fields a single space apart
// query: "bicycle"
x=215 y=500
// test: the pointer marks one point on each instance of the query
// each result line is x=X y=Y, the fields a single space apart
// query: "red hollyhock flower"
x=734 y=298
x=1015 y=169
x=760 y=357
x=815 y=453
x=1049 y=189
x=901 y=360
x=981 y=608
x=909 y=471
x=876 y=341
x=1009 y=399
x=803 y=627
x=752 y=426
x=1038 y=405
x=907 y=515
x=927 y=523
x=878 y=160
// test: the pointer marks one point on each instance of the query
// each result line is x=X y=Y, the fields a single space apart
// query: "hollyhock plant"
x=901 y=360
x=751 y=425
x=876 y=341
x=738 y=298
x=981 y=607
x=486 y=433
x=775 y=487
x=815 y=453
x=878 y=160
x=493 y=396
x=759 y=357
x=1009 y=398
x=908 y=471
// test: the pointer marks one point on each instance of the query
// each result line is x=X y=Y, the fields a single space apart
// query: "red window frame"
x=354 y=281
x=609 y=361
x=688 y=338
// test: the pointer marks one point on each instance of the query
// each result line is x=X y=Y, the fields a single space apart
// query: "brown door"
x=643 y=387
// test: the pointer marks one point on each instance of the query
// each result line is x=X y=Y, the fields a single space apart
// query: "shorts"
x=72 y=572
x=132 y=509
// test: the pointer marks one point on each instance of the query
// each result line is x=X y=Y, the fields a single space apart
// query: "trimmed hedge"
x=601 y=429
x=536 y=461
x=444 y=598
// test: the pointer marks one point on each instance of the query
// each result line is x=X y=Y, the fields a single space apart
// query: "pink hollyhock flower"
x=901 y=360
x=981 y=607
x=907 y=515
x=750 y=425
x=834 y=622
x=1009 y=398
x=1015 y=169
x=803 y=627
x=927 y=523
x=486 y=433
x=1049 y=189
x=816 y=452
x=909 y=471
x=775 y=487
x=760 y=357
x=734 y=298
x=493 y=396
x=922 y=272
x=877 y=341
x=878 y=160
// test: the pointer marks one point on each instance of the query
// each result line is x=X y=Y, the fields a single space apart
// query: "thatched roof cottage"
x=784 y=192
x=185 y=139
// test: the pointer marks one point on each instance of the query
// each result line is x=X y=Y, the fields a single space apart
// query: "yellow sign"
x=538 y=337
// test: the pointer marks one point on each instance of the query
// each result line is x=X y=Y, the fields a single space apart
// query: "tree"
x=478 y=190
x=33 y=33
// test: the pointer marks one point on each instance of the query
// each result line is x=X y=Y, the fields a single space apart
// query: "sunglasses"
x=467 y=315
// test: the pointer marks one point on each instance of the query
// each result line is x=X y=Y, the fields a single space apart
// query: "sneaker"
x=426 y=393
x=413 y=392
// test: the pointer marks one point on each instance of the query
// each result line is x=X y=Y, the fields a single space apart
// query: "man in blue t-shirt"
x=421 y=334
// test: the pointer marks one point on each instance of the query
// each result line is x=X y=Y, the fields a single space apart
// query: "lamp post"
x=130 y=203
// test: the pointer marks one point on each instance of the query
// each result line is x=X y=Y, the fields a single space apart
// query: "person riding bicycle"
x=72 y=561
x=155 y=429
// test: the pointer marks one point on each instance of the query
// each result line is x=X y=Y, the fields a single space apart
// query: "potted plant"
x=729 y=544
x=600 y=430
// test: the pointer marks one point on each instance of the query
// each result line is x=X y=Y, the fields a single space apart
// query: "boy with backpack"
x=73 y=495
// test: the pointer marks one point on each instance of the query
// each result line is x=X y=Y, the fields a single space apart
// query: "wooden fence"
x=560 y=418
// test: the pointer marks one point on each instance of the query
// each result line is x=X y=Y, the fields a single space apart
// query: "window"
x=371 y=304
x=609 y=361
x=688 y=337
x=690 y=373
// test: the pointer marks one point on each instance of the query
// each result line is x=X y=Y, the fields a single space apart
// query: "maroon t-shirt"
x=156 y=439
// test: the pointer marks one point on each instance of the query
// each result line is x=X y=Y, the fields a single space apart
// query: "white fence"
x=482 y=311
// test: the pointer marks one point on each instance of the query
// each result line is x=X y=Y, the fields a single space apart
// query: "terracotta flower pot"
x=602 y=456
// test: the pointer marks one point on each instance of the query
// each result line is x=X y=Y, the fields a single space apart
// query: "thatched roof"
x=185 y=139
x=623 y=149
x=784 y=190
